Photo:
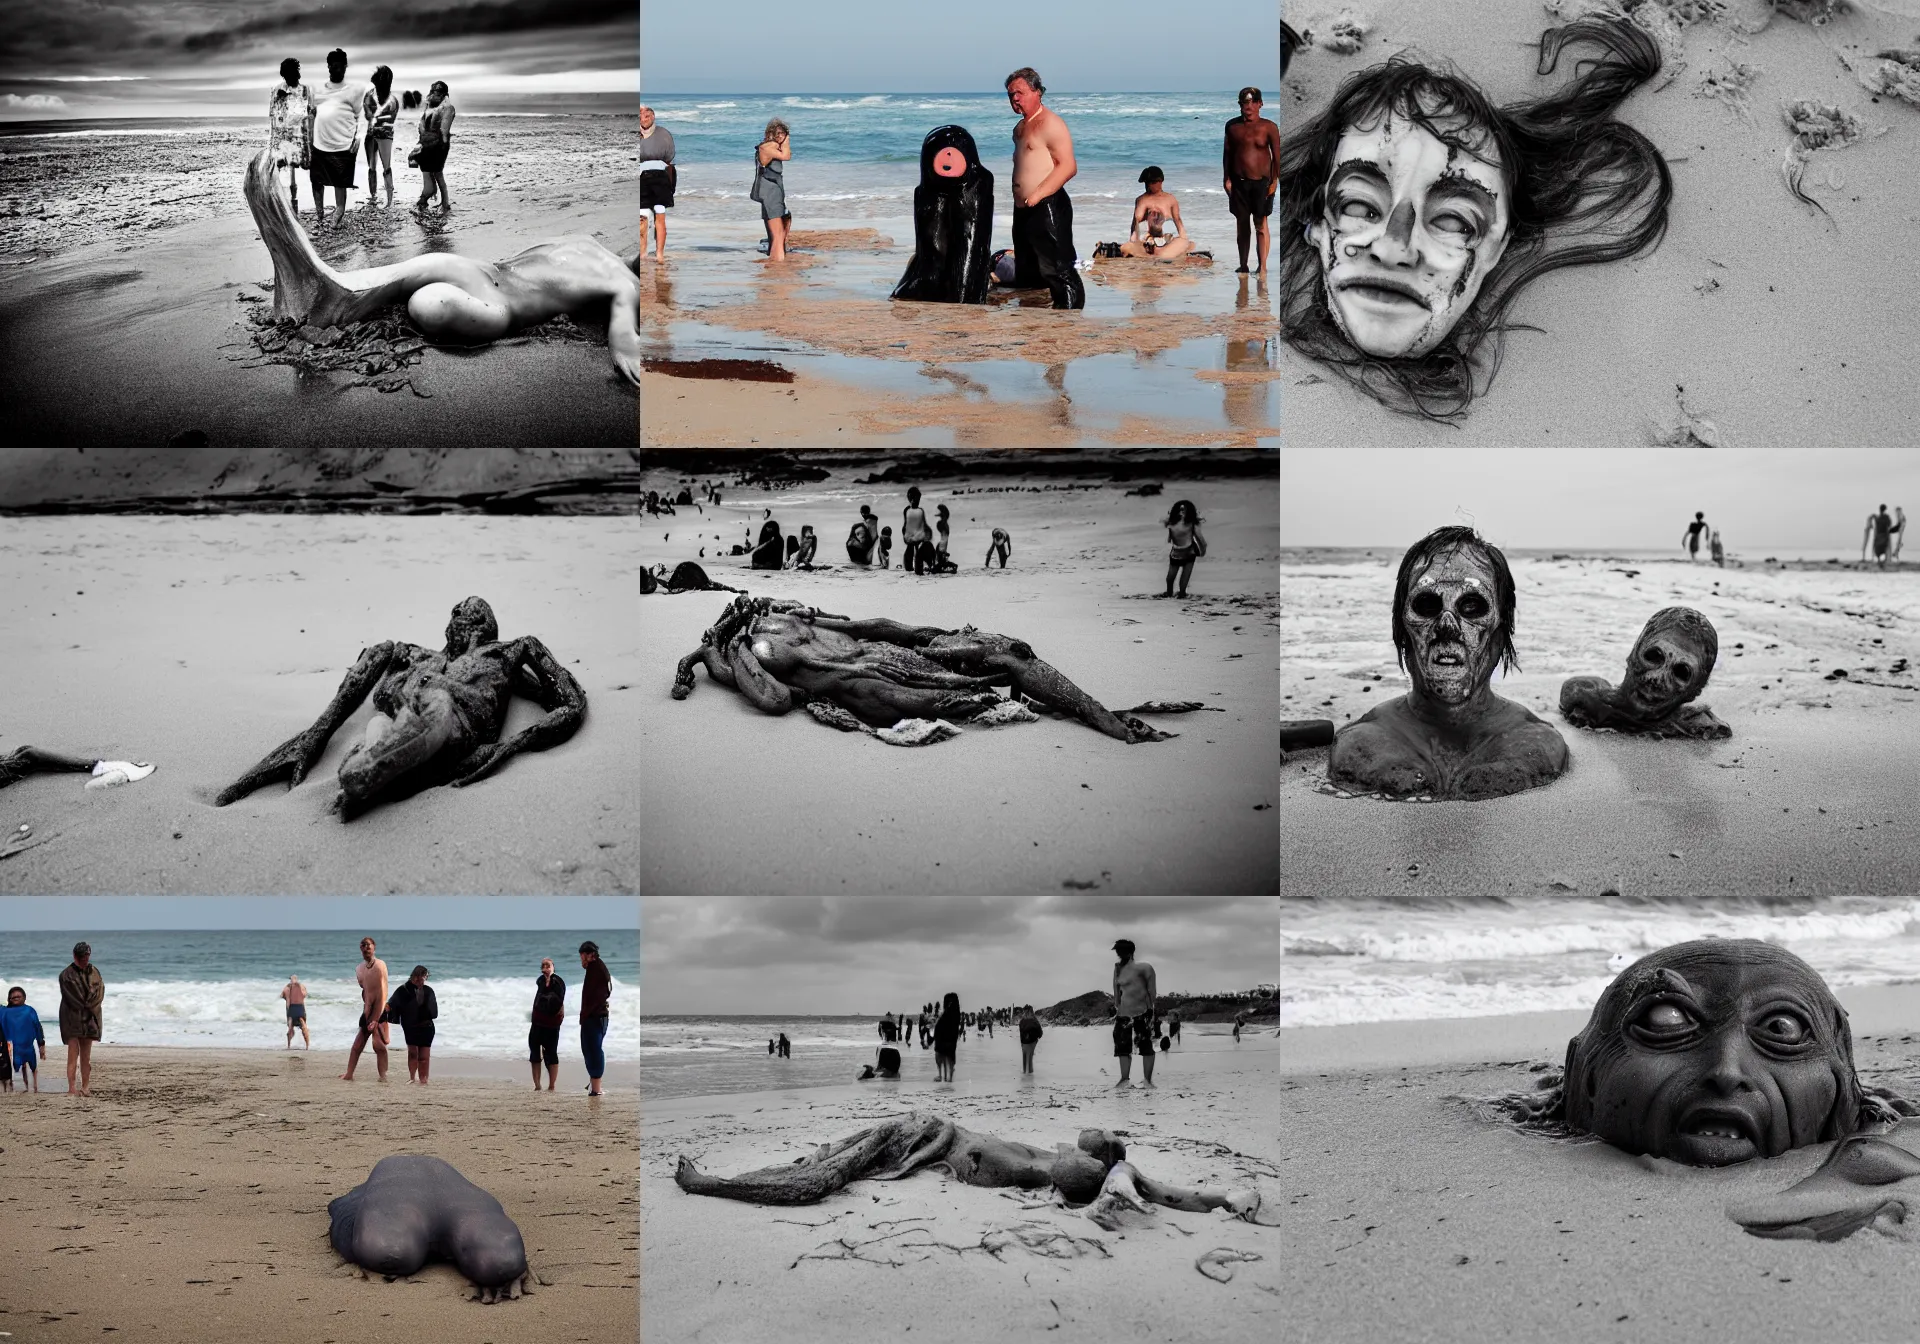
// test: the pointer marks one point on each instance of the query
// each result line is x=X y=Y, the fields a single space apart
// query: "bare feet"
x=346 y=1077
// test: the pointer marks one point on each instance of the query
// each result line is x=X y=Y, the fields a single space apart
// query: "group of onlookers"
x=23 y=1041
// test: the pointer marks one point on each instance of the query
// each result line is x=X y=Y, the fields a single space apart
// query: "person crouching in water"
x=381 y=107
x=436 y=140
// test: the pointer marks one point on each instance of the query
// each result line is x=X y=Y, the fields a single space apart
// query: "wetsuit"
x=1043 y=255
x=657 y=172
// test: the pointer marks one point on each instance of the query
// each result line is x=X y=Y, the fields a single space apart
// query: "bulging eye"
x=1655 y=657
x=1785 y=1029
x=1426 y=605
x=1454 y=224
x=1682 y=672
x=1363 y=211
x=1666 y=1019
x=1473 y=606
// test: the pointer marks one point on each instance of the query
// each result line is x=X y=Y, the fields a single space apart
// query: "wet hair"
x=1152 y=174
x=410 y=99
x=776 y=125
x=1249 y=92
x=417 y=970
x=382 y=82
x=1698 y=513
x=1029 y=74
x=590 y=946
x=806 y=529
x=368 y=939
x=337 y=60
x=1583 y=189
x=1422 y=553
x=1173 y=514
x=290 y=71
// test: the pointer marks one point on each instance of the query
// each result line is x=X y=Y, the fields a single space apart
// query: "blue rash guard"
x=20 y=1024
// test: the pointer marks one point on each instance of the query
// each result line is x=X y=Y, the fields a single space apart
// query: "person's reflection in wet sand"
x=1244 y=400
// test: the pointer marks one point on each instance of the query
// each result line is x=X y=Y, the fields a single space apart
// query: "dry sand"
x=1776 y=320
x=1409 y=1218
x=202 y=644
x=748 y=803
x=1809 y=799
x=185 y=1202
x=930 y=1258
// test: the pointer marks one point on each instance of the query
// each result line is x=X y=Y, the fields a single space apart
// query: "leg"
x=1186 y=573
x=86 y=1066
x=306 y=1041
x=353 y=1055
x=386 y=170
x=1173 y=567
x=1133 y=247
x=446 y=197
x=377 y=1036
x=451 y=315
x=426 y=1063
x=1179 y=248
x=1263 y=235
x=73 y=1068
x=1242 y=235
x=553 y=1075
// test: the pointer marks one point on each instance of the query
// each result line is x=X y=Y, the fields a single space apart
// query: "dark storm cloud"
x=42 y=36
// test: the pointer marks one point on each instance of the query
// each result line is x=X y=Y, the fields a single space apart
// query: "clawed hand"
x=290 y=761
x=482 y=763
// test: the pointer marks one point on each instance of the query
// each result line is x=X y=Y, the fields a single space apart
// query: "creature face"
x=950 y=162
x=1666 y=669
x=1411 y=228
x=1453 y=624
x=471 y=624
x=1713 y=1053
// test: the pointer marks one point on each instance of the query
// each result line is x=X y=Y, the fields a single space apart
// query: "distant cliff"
x=1096 y=1007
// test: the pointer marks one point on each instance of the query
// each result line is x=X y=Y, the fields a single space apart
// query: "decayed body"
x=412 y=1210
x=1667 y=670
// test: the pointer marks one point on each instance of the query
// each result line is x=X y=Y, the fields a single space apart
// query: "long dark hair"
x=1438 y=542
x=382 y=82
x=1173 y=514
x=950 y=1006
x=290 y=72
x=1584 y=188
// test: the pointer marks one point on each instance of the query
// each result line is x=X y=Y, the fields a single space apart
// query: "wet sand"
x=1449 y=1227
x=1759 y=321
x=193 y=1205
x=201 y=644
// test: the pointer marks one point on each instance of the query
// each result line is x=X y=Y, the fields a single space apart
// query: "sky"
x=911 y=46
x=181 y=58
x=1623 y=498
x=829 y=954
x=333 y=912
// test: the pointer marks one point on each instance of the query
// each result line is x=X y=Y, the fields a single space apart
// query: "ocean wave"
x=834 y=104
x=716 y=105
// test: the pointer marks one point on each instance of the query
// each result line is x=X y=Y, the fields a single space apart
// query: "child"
x=1029 y=1037
x=1187 y=543
x=1002 y=546
x=20 y=1025
x=886 y=547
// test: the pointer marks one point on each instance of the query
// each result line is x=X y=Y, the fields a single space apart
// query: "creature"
x=450 y=298
x=952 y=222
x=411 y=1210
x=1450 y=737
x=687 y=577
x=446 y=706
x=1667 y=669
x=779 y=654
x=1427 y=210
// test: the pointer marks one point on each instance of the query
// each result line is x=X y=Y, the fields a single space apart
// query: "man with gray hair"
x=658 y=176
x=82 y=994
x=1043 y=164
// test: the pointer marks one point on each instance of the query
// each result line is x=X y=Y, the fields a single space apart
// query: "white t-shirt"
x=338 y=123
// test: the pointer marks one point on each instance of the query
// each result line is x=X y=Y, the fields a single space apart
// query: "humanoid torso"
x=480 y=682
x=1391 y=750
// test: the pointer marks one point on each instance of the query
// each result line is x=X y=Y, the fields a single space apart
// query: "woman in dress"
x=769 y=187
x=290 y=126
x=380 y=107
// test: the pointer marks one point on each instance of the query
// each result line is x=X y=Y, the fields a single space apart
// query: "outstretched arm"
x=292 y=759
x=881 y=629
x=537 y=674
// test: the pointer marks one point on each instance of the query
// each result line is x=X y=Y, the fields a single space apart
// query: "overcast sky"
x=180 y=58
x=1580 y=499
x=834 y=954
x=334 y=912
x=913 y=46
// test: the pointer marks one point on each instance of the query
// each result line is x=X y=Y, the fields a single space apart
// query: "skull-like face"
x=1453 y=624
x=1666 y=669
x=472 y=623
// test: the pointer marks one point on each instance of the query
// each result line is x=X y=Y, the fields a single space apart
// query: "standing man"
x=1250 y=165
x=1029 y=1037
x=549 y=1011
x=1880 y=532
x=596 y=993
x=1692 y=539
x=1043 y=164
x=658 y=178
x=296 y=996
x=336 y=139
x=1134 y=990
x=82 y=995
x=372 y=975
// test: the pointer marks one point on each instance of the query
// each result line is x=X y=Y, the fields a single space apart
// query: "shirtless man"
x=295 y=994
x=1134 y=992
x=1250 y=169
x=1154 y=209
x=447 y=708
x=372 y=975
x=1043 y=164
x=451 y=299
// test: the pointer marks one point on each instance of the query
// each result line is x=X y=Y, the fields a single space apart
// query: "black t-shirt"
x=412 y=1004
x=550 y=1002
x=597 y=990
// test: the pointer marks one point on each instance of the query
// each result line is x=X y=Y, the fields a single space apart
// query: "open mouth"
x=1385 y=292
x=1714 y=1137
x=1447 y=658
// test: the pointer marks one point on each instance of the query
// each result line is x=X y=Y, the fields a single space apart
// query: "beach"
x=185 y=1202
x=1410 y=1217
x=1025 y=808
x=1167 y=354
x=200 y=644
x=969 y=1263
x=1759 y=320
x=134 y=280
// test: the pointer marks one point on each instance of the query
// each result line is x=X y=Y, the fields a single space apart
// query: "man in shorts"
x=657 y=179
x=296 y=996
x=1250 y=165
x=1134 y=990
x=372 y=975
x=549 y=1011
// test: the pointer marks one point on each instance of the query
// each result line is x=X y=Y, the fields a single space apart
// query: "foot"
x=346 y=1077
x=1241 y=269
x=1168 y=593
x=1124 y=1082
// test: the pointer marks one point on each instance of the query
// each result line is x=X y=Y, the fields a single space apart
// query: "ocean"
x=856 y=156
x=220 y=989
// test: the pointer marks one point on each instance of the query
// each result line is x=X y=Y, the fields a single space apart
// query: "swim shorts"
x=433 y=158
x=656 y=191
x=1134 y=1032
x=1250 y=197
x=334 y=167
x=543 y=1041
x=296 y=1012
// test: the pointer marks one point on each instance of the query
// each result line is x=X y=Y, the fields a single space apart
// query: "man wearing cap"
x=1155 y=212
x=1250 y=167
x=82 y=992
x=1134 y=991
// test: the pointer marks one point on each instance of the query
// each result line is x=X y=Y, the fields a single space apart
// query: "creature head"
x=1670 y=662
x=1453 y=609
x=947 y=155
x=471 y=624
x=1714 y=1052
